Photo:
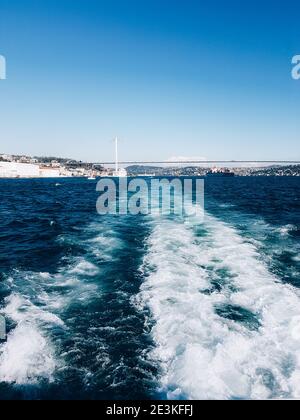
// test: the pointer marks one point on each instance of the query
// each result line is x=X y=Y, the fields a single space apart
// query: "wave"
x=27 y=356
x=225 y=327
x=287 y=229
x=37 y=306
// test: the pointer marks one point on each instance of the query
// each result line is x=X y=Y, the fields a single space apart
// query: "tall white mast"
x=117 y=158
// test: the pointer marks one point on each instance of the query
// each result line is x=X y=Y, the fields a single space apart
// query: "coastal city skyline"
x=160 y=73
x=17 y=166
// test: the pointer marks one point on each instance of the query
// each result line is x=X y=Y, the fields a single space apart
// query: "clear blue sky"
x=171 y=78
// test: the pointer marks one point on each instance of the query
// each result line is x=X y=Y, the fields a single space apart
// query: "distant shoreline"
x=147 y=177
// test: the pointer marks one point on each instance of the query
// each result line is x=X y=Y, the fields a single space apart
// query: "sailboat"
x=118 y=172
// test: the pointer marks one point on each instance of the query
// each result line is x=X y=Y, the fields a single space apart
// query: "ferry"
x=216 y=172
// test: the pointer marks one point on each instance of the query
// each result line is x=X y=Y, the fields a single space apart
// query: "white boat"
x=121 y=173
x=92 y=176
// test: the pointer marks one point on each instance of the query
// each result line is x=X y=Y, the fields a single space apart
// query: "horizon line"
x=198 y=161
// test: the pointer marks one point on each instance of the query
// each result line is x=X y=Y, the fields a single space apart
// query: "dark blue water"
x=136 y=307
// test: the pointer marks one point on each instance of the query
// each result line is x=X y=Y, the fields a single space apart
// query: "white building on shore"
x=27 y=170
x=49 y=172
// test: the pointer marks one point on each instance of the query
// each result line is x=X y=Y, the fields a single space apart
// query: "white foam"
x=104 y=244
x=203 y=355
x=85 y=268
x=286 y=230
x=28 y=355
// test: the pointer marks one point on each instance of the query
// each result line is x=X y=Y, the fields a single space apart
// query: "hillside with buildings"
x=277 y=170
x=46 y=167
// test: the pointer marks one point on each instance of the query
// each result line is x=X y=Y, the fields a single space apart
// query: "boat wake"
x=191 y=309
x=225 y=327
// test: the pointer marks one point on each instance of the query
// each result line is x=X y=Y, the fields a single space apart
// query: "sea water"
x=133 y=307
